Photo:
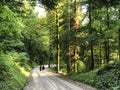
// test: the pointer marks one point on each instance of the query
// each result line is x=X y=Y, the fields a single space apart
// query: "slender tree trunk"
x=50 y=49
x=92 y=56
x=68 y=61
x=75 y=26
x=75 y=60
x=68 y=46
x=119 y=37
x=119 y=46
x=49 y=63
x=49 y=57
x=91 y=42
x=107 y=39
x=57 y=41
x=108 y=49
x=106 y=52
x=100 y=49
x=100 y=55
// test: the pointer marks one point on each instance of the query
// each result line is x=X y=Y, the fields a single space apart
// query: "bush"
x=109 y=77
x=11 y=77
x=87 y=77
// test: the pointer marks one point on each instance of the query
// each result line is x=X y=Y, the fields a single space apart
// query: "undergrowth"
x=11 y=76
x=104 y=78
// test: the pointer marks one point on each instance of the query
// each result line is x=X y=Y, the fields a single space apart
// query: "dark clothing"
x=43 y=67
x=40 y=68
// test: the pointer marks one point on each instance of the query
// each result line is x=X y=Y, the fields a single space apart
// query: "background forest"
x=82 y=37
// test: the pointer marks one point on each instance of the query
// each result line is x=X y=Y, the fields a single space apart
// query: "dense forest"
x=82 y=37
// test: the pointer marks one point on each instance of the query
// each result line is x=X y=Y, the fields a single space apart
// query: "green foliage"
x=107 y=77
x=14 y=58
x=36 y=34
x=20 y=59
x=63 y=67
x=10 y=29
x=87 y=77
x=11 y=77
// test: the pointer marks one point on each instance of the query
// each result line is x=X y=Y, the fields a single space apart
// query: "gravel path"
x=46 y=80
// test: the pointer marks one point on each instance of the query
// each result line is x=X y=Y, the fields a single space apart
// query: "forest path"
x=46 y=80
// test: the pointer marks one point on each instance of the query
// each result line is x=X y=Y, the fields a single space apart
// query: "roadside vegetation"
x=107 y=77
x=13 y=74
x=17 y=54
x=104 y=78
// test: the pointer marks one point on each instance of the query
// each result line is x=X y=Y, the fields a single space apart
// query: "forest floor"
x=47 y=80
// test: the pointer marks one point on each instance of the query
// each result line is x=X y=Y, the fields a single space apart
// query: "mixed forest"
x=81 y=37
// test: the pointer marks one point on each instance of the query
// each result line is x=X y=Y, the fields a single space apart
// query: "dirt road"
x=46 y=80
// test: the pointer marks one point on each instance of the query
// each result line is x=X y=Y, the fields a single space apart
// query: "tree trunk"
x=75 y=25
x=92 y=56
x=49 y=59
x=68 y=46
x=100 y=55
x=57 y=42
x=68 y=61
x=72 y=23
x=106 y=52
x=91 y=42
x=75 y=60
x=100 y=49
x=107 y=39
x=119 y=37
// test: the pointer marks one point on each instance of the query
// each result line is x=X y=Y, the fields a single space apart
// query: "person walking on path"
x=40 y=68
x=43 y=68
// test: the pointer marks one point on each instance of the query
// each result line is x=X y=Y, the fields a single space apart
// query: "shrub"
x=104 y=78
x=11 y=77
x=109 y=77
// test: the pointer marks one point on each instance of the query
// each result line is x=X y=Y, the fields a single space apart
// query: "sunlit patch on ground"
x=35 y=75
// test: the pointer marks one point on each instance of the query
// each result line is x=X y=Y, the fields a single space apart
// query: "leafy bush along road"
x=107 y=77
x=46 y=80
x=11 y=77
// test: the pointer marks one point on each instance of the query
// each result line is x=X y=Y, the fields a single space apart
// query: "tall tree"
x=90 y=31
x=119 y=36
x=57 y=41
x=75 y=26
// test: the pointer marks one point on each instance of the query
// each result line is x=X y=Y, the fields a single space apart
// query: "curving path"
x=46 y=80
